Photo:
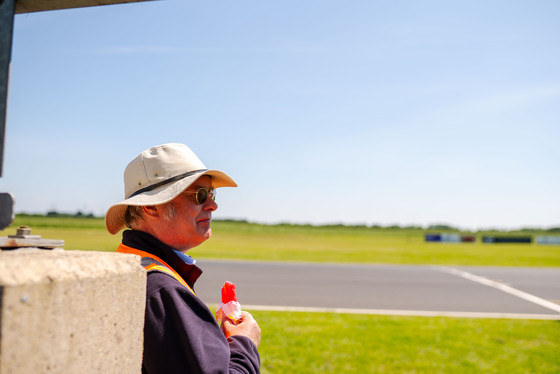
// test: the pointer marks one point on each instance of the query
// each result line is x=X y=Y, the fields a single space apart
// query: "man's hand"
x=247 y=326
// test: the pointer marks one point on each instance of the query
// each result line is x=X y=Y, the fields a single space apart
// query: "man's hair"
x=132 y=215
x=135 y=213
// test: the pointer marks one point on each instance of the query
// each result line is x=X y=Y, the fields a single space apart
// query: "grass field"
x=246 y=241
x=339 y=343
x=344 y=343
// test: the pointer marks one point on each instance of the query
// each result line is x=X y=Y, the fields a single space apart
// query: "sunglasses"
x=202 y=194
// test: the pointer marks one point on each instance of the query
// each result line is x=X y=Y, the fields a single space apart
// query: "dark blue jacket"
x=180 y=332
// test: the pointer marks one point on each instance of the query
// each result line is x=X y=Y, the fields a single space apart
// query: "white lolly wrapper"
x=231 y=310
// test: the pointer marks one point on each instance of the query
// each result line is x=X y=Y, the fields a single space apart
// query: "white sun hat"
x=157 y=176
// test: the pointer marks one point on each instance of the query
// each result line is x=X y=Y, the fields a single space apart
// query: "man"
x=169 y=200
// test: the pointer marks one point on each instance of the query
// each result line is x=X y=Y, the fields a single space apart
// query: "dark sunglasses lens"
x=201 y=195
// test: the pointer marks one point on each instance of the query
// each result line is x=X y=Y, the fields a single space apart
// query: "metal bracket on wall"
x=24 y=240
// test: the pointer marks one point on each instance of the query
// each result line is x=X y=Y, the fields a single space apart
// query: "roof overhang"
x=29 y=6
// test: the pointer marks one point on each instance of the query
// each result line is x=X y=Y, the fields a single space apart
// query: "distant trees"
x=78 y=214
x=441 y=227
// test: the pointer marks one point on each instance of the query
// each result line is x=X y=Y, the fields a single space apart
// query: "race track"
x=509 y=292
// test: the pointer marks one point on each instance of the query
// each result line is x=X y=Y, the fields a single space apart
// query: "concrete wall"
x=71 y=312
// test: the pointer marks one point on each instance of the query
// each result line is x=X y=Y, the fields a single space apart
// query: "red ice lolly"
x=228 y=292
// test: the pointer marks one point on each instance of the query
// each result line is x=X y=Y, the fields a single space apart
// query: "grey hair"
x=134 y=214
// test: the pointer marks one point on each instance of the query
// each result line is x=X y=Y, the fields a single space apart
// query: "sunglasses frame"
x=210 y=193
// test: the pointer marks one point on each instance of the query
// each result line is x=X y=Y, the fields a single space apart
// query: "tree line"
x=435 y=227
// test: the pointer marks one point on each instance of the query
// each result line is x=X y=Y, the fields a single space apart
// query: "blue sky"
x=357 y=112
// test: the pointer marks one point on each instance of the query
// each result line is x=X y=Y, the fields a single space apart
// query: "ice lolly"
x=228 y=292
x=229 y=307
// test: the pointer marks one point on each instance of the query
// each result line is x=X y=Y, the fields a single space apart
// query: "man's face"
x=191 y=224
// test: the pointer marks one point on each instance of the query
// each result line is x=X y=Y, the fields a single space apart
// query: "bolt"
x=23 y=230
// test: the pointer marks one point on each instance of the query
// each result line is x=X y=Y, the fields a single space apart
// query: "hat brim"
x=114 y=219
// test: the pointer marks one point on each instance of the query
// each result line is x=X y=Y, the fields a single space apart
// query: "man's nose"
x=210 y=205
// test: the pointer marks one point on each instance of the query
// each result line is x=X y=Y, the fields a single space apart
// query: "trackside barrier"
x=455 y=238
x=507 y=239
x=432 y=237
x=449 y=238
x=548 y=239
x=71 y=312
x=468 y=238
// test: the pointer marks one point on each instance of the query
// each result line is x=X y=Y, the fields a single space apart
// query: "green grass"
x=363 y=245
x=343 y=343
x=245 y=241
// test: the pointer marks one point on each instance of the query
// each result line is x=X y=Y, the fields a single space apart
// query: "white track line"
x=502 y=287
x=417 y=313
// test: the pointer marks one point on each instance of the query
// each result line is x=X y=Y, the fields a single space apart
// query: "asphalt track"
x=491 y=292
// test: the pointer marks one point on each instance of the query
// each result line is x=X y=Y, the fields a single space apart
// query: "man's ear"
x=150 y=212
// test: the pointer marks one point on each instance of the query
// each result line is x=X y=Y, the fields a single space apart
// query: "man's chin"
x=206 y=234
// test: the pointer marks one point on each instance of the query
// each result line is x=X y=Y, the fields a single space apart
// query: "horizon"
x=432 y=226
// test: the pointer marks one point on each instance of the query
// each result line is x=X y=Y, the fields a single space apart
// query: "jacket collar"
x=148 y=243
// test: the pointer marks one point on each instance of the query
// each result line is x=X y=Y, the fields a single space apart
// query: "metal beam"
x=6 y=31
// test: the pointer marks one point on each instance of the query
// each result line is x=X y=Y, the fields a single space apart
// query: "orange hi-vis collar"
x=151 y=262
